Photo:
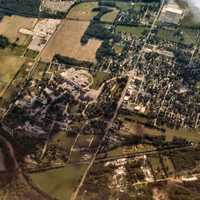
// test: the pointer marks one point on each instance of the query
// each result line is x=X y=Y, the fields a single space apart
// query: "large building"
x=171 y=13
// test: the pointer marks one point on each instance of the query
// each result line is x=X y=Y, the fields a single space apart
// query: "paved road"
x=75 y=194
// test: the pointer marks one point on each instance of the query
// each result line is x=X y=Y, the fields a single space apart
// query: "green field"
x=191 y=135
x=59 y=183
x=99 y=79
x=123 y=5
x=189 y=35
x=110 y=16
x=137 y=31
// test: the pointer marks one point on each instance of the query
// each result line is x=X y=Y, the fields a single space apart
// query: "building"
x=171 y=13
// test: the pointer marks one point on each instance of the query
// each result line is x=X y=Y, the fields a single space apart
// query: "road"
x=75 y=194
x=136 y=154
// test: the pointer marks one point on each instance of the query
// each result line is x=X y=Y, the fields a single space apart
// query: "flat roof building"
x=171 y=13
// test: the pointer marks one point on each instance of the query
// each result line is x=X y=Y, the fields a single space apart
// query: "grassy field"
x=59 y=183
x=83 y=11
x=67 y=43
x=99 y=79
x=123 y=5
x=110 y=17
x=137 y=31
x=9 y=65
x=189 y=35
x=10 y=25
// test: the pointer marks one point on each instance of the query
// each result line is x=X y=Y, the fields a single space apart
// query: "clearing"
x=60 y=183
x=137 y=31
x=83 y=11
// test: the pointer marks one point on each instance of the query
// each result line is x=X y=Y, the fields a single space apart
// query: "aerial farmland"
x=99 y=100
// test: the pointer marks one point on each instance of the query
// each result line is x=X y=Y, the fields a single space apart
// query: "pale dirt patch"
x=159 y=194
x=67 y=43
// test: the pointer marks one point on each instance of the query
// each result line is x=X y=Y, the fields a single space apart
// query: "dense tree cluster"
x=4 y=42
x=105 y=50
x=96 y=30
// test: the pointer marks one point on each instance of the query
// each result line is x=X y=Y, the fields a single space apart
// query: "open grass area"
x=31 y=54
x=192 y=135
x=59 y=183
x=10 y=26
x=189 y=35
x=110 y=16
x=83 y=11
x=67 y=43
x=123 y=5
x=137 y=31
x=9 y=66
x=99 y=78
x=130 y=125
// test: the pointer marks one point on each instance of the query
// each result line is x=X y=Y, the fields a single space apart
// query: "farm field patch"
x=59 y=183
x=10 y=26
x=67 y=43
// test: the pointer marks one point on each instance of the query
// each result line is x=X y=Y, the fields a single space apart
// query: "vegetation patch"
x=60 y=183
x=137 y=31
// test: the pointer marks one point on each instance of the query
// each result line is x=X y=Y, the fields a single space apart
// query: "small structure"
x=171 y=13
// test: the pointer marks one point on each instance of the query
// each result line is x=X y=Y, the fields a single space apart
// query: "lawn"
x=191 y=135
x=189 y=35
x=10 y=26
x=83 y=11
x=135 y=30
x=59 y=183
x=123 y=5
